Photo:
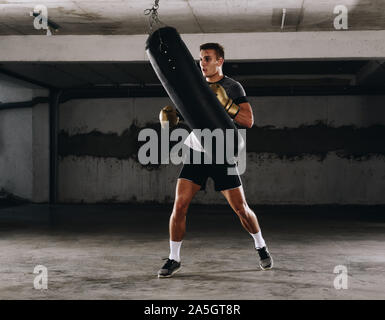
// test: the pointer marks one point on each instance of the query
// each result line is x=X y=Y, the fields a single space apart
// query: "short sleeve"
x=237 y=90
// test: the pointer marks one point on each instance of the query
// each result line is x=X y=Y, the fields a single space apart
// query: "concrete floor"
x=114 y=252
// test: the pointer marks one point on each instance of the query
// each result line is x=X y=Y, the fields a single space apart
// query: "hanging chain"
x=154 y=19
x=153 y=15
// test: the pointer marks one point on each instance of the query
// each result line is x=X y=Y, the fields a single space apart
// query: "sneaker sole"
x=170 y=275
x=267 y=268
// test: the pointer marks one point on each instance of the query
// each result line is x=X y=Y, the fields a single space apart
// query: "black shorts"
x=199 y=173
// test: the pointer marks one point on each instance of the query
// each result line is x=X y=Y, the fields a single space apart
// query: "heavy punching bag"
x=185 y=84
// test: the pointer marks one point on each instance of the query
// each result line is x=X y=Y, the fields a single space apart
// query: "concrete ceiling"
x=83 y=17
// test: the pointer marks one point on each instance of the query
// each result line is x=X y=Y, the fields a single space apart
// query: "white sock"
x=259 y=242
x=175 y=250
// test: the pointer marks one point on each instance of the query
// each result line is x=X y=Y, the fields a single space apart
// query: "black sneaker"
x=169 y=269
x=266 y=261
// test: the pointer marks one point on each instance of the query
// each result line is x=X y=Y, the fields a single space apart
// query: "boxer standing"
x=193 y=177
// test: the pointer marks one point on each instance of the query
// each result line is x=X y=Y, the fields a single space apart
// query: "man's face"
x=209 y=63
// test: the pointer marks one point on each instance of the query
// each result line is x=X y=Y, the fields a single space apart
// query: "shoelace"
x=168 y=263
x=263 y=253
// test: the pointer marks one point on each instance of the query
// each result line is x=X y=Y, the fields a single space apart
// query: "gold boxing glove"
x=231 y=108
x=168 y=113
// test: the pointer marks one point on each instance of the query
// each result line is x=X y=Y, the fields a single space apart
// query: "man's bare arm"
x=245 y=115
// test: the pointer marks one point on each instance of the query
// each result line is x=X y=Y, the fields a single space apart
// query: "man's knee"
x=242 y=211
x=180 y=207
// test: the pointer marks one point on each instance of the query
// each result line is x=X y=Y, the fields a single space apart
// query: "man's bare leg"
x=185 y=192
x=237 y=200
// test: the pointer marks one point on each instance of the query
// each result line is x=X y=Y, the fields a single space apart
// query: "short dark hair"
x=219 y=50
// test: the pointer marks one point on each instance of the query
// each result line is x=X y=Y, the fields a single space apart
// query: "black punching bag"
x=184 y=82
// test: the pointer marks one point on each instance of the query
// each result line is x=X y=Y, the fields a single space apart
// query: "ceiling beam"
x=348 y=77
x=24 y=78
x=369 y=70
x=267 y=46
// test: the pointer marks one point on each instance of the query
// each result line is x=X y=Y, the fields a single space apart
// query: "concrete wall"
x=301 y=150
x=24 y=153
x=40 y=153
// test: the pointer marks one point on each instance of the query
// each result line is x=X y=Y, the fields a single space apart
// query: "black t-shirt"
x=235 y=92
x=233 y=89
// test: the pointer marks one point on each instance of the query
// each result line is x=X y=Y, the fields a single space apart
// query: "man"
x=193 y=177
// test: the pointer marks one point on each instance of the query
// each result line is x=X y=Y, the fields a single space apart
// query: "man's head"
x=212 y=56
